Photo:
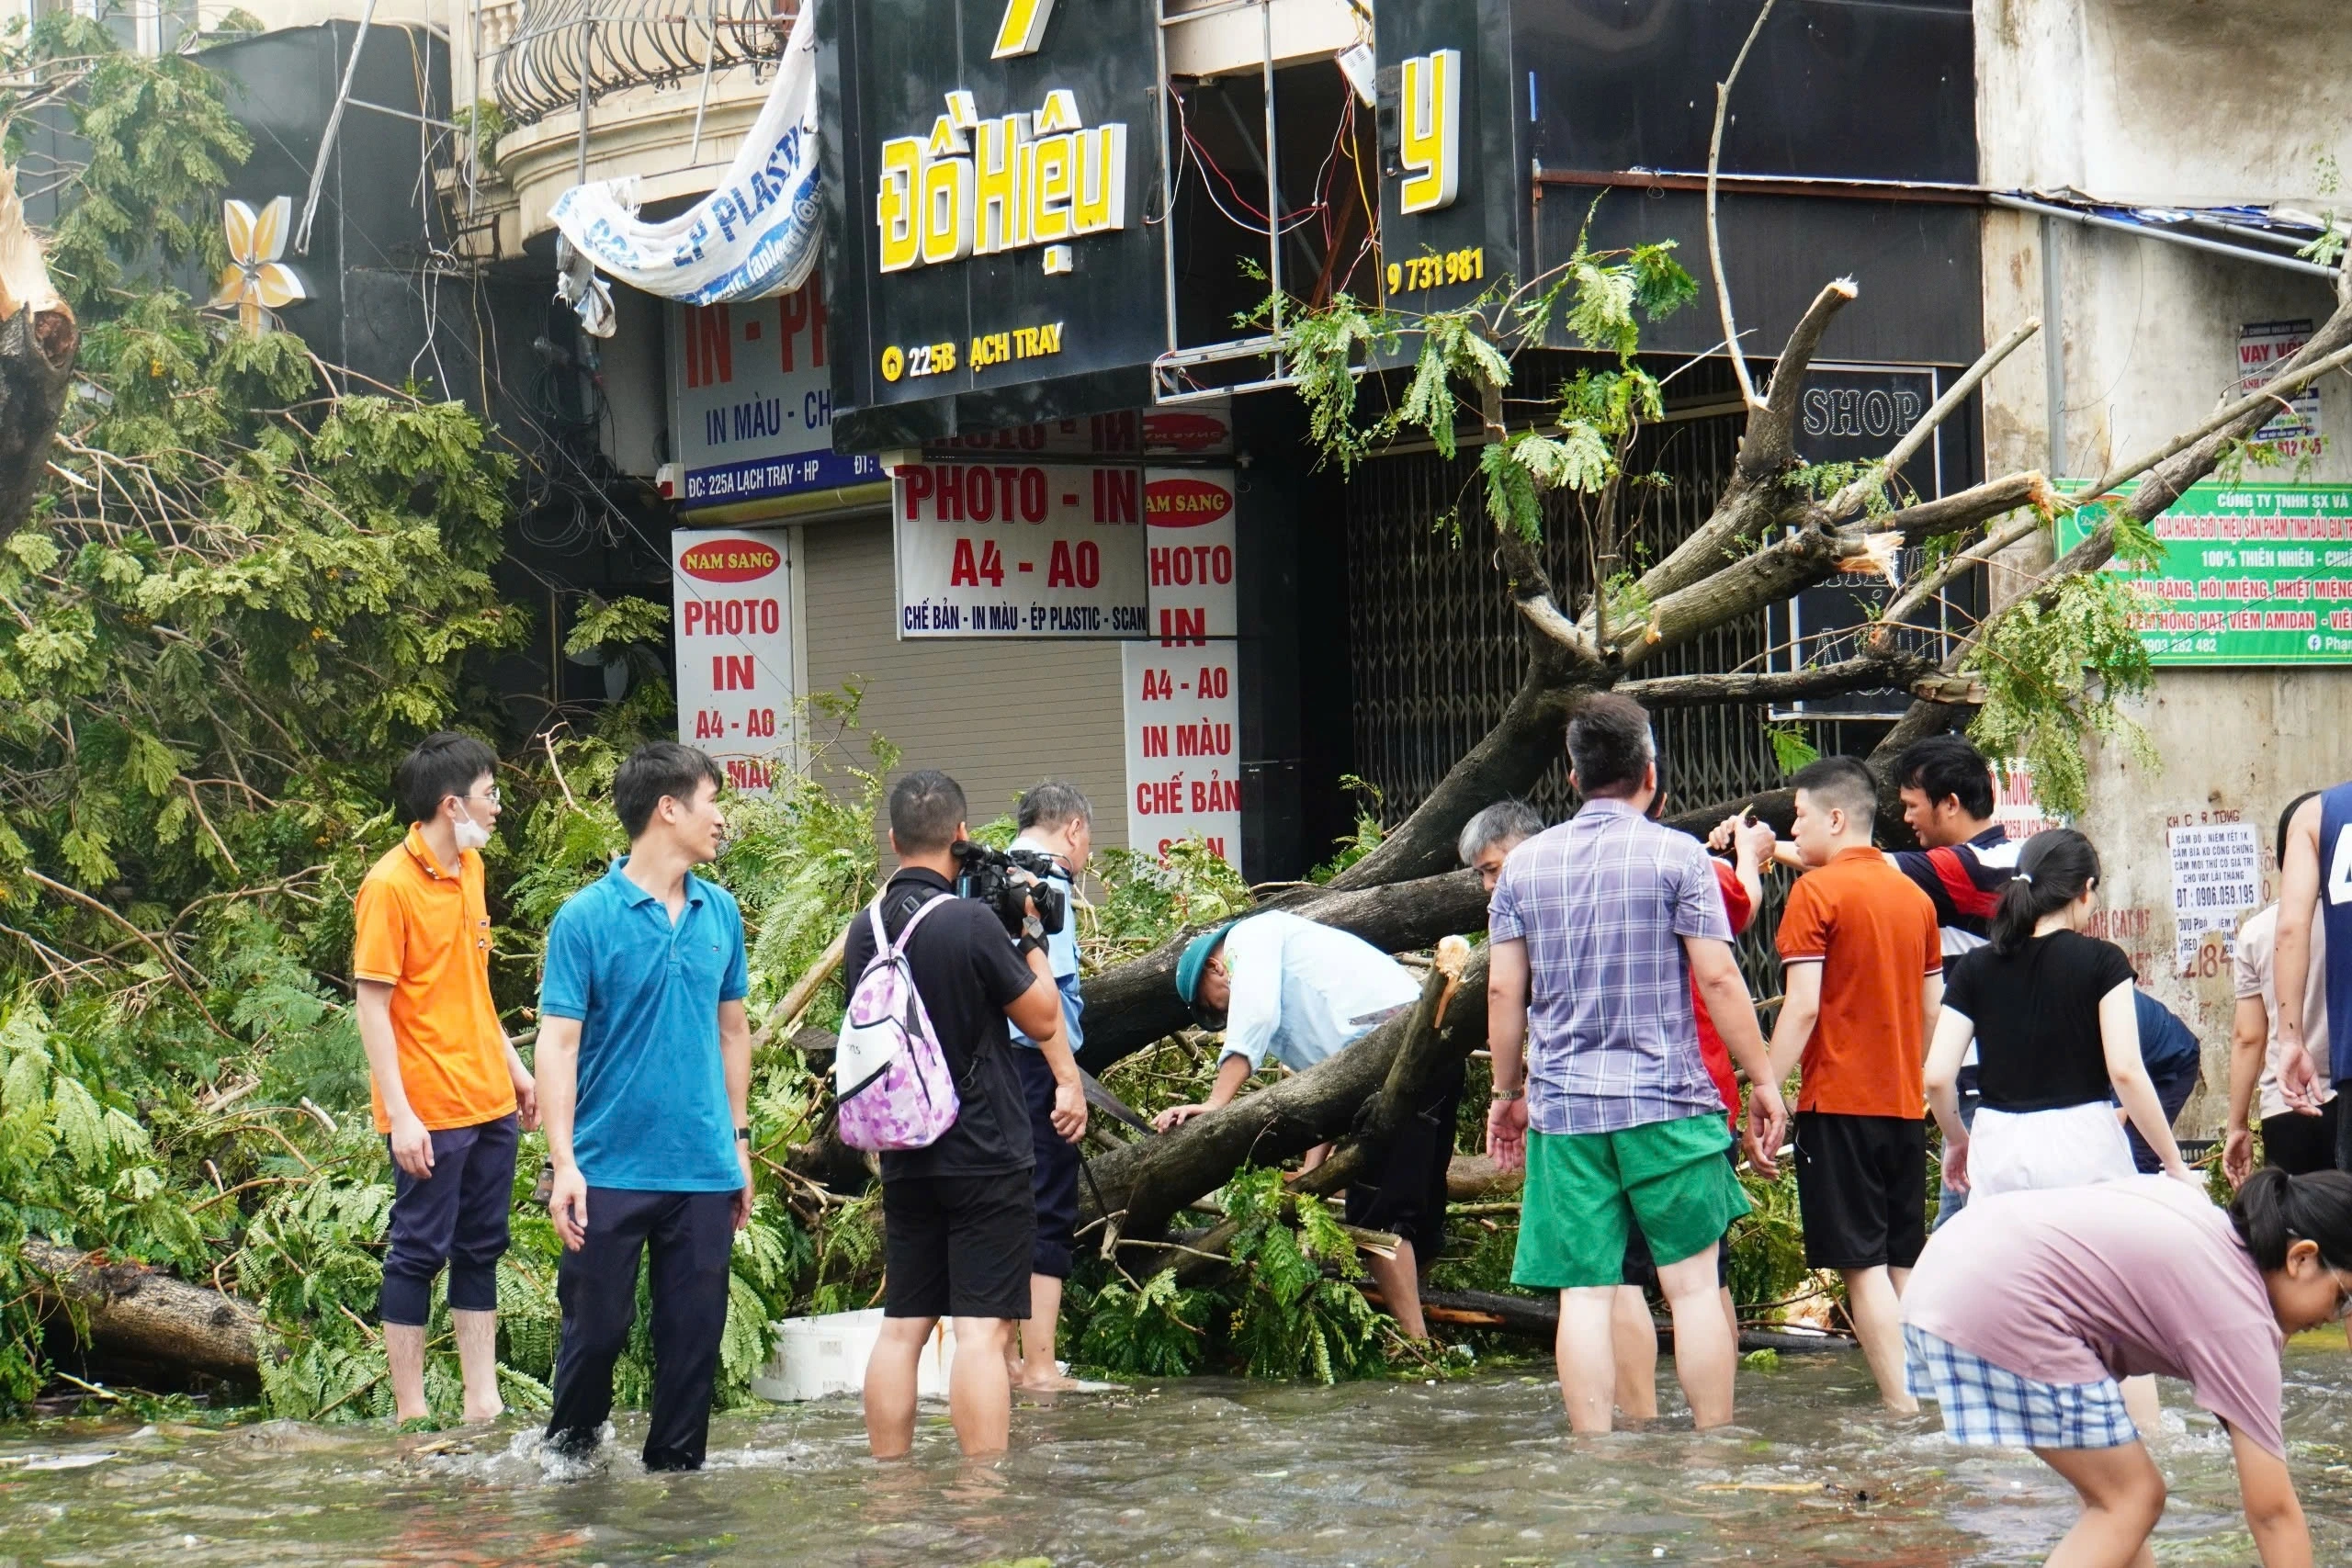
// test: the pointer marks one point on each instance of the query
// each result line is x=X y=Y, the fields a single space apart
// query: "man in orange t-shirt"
x=1863 y=963
x=450 y=1095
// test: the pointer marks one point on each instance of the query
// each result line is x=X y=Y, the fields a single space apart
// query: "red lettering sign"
x=1185 y=503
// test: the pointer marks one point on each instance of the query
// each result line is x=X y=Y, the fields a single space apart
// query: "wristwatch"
x=742 y=1134
x=1504 y=1096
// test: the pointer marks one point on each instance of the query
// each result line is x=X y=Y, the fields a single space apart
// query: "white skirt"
x=2075 y=1146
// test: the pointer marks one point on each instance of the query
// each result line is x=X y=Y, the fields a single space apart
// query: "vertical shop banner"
x=752 y=402
x=1019 y=550
x=1183 y=688
x=732 y=603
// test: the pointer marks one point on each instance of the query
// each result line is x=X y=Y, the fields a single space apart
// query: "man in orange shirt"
x=451 y=1096
x=1864 y=973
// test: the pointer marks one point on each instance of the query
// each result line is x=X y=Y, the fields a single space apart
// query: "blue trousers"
x=455 y=1217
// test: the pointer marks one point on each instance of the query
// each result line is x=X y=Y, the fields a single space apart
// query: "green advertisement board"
x=2252 y=574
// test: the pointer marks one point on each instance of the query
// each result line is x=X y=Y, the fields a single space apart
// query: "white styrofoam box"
x=816 y=1357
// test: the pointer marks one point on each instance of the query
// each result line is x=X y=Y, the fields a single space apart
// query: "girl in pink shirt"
x=2101 y=1282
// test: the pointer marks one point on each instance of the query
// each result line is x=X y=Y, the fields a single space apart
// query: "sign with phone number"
x=2252 y=574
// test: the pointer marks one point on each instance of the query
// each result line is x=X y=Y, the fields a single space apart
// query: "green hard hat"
x=1196 y=958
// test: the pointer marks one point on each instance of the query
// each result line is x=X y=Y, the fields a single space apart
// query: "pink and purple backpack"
x=891 y=1080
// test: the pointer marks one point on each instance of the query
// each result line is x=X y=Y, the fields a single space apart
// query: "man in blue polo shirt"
x=645 y=1069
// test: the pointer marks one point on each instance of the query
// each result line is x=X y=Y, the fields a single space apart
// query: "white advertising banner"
x=732 y=599
x=2216 y=880
x=755 y=235
x=1183 y=723
x=752 y=402
x=1012 y=549
x=1187 y=543
x=1183 y=687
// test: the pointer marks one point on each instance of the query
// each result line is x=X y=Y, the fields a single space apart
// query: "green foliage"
x=1791 y=748
x=1598 y=298
x=1293 y=1318
x=1768 y=1242
x=1154 y=1329
x=2057 y=667
x=1363 y=838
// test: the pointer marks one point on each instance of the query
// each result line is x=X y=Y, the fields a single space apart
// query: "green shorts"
x=1584 y=1188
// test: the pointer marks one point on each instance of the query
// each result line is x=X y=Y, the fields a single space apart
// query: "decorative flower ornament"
x=256 y=281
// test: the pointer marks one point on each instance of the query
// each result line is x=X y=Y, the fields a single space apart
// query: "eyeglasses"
x=489 y=796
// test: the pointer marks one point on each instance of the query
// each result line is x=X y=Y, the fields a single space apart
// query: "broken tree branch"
x=1867 y=671
x=1769 y=444
x=1859 y=490
x=1714 y=234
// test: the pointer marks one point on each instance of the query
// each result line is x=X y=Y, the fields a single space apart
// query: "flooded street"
x=1478 y=1471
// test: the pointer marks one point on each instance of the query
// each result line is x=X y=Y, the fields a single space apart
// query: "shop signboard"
x=752 y=402
x=1010 y=549
x=1183 y=686
x=2251 y=574
x=995 y=163
x=1451 y=183
x=732 y=604
x=1855 y=413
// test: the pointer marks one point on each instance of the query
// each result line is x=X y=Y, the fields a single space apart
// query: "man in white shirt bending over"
x=1289 y=989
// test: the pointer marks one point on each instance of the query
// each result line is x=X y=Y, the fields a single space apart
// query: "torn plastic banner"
x=754 y=236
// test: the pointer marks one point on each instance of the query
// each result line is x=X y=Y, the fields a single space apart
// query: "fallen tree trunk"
x=1136 y=1189
x=134 y=1310
x=1132 y=1006
x=1472 y=1178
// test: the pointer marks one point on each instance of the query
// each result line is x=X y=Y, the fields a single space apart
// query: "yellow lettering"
x=1430 y=139
x=1100 y=199
x=1050 y=183
x=896 y=202
x=1001 y=213
x=1023 y=28
x=946 y=210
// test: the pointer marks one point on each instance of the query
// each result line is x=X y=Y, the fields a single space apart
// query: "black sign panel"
x=1855 y=415
x=1452 y=180
x=1846 y=89
x=987 y=215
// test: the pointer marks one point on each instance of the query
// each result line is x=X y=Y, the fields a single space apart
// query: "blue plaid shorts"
x=1990 y=1406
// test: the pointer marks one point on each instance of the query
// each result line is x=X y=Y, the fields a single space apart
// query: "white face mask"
x=471 y=835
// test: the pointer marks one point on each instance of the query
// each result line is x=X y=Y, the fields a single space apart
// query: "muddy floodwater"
x=1479 y=1471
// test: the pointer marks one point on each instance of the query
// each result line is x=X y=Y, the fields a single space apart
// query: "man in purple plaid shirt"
x=1598 y=927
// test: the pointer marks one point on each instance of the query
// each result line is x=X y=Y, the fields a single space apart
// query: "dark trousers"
x=690 y=1235
x=1053 y=1178
x=455 y=1216
x=2299 y=1144
x=2172 y=1087
x=2342 y=1138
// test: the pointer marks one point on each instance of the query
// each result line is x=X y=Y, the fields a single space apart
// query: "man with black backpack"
x=959 y=1220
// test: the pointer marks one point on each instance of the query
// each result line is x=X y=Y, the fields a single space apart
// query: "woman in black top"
x=2056 y=1035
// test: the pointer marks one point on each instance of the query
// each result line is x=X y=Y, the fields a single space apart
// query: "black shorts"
x=957 y=1246
x=2299 y=1144
x=1861 y=1189
x=1640 y=1269
x=1054 y=1181
x=1406 y=1196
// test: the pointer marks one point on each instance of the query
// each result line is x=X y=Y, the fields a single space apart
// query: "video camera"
x=987 y=875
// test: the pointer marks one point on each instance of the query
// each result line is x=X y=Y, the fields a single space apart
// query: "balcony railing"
x=562 y=49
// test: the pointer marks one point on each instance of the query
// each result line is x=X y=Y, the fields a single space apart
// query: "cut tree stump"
x=136 y=1311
